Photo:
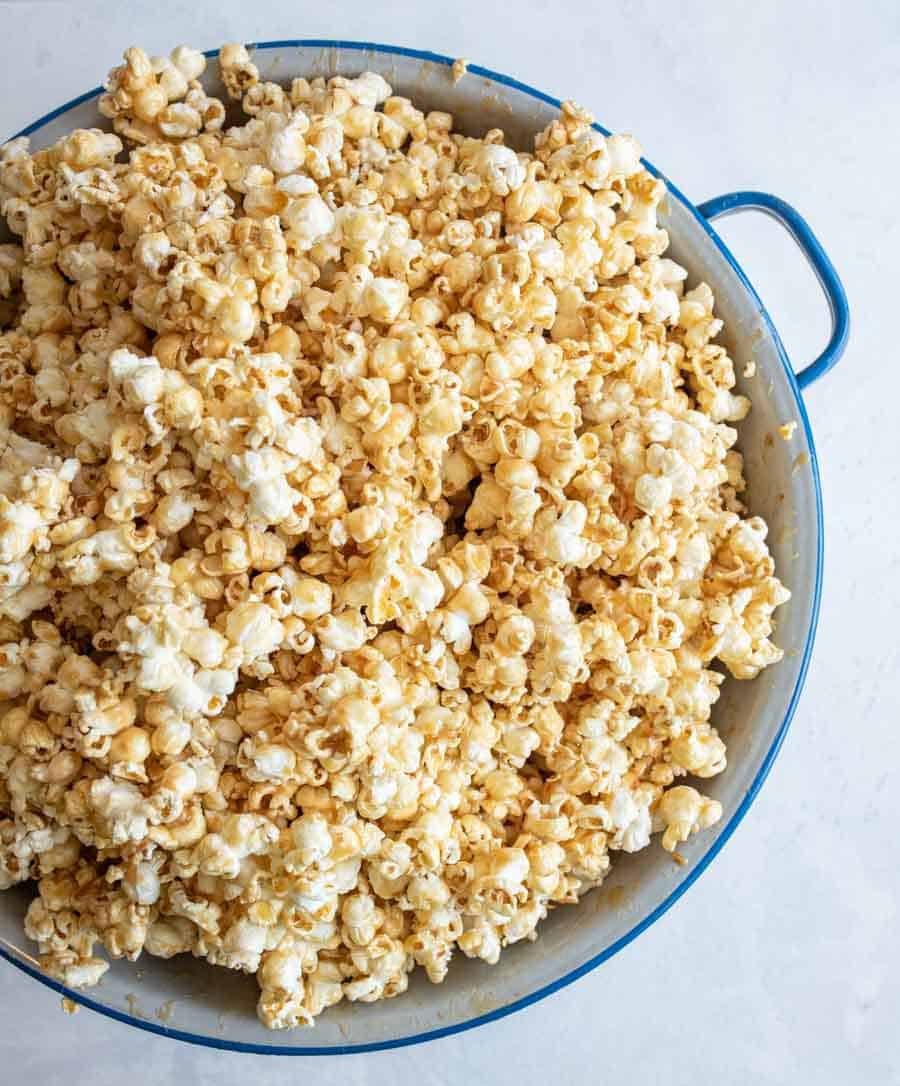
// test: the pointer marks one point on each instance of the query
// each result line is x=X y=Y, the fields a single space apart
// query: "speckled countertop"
x=781 y=965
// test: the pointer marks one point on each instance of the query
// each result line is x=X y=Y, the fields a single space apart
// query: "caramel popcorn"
x=458 y=69
x=370 y=523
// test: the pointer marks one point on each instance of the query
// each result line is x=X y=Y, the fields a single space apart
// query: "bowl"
x=193 y=1001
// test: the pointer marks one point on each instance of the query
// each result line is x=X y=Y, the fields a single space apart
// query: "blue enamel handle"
x=809 y=244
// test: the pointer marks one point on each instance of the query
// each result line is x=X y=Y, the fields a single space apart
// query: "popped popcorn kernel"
x=370 y=529
x=458 y=69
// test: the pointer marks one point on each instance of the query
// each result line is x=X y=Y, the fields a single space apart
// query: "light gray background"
x=781 y=965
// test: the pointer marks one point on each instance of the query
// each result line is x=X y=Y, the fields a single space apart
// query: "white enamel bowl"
x=192 y=1001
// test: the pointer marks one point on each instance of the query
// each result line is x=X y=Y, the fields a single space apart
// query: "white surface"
x=781 y=965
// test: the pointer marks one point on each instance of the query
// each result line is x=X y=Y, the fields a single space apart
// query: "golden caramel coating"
x=370 y=523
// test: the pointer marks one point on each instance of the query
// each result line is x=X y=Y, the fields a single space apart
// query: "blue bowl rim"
x=718 y=844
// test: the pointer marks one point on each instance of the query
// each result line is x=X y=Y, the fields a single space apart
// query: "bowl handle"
x=809 y=244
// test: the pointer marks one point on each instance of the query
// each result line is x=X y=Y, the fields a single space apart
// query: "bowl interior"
x=192 y=1000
